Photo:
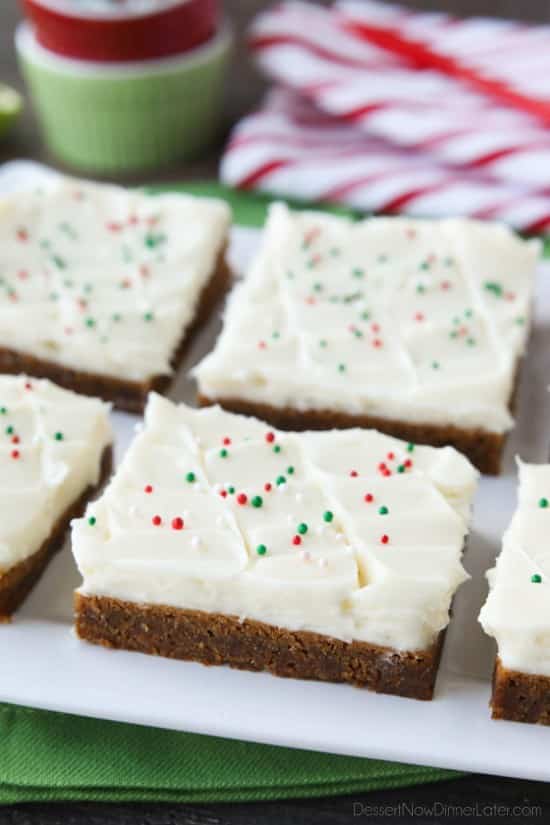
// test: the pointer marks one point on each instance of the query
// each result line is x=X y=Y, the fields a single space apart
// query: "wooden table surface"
x=475 y=798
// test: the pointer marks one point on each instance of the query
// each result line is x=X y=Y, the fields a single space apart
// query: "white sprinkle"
x=195 y=542
x=305 y=555
x=299 y=497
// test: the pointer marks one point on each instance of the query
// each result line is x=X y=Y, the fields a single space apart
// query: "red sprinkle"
x=408 y=463
x=28 y=385
x=270 y=438
x=375 y=327
x=369 y=498
x=382 y=466
x=133 y=219
x=177 y=523
x=157 y=521
x=22 y=234
x=223 y=493
x=353 y=473
x=113 y=226
x=144 y=271
x=148 y=488
x=385 y=539
x=391 y=456
x=262 y=345
x=23 y=274
x=242 y=498
x=268 y=487
x=445 y=285
x=419 y=316
x=15 y=453
x=227 y=441
x=377 y=343
x=297 y=540
x=15 y=439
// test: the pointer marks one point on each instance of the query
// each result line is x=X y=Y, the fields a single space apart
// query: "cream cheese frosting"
x=51 y=444
x=103 y=279
x=352 y=534
x=414 y=320
x=517 y=610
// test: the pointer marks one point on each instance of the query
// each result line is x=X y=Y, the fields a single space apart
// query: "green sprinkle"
x=92 y=520
x=59 y=262
x=90 y=322
x=276 y=334
x=190 y=477
x=341 y=367
x=536 y=578
x=421 y=289
x=435 y=365
x=231 y=490
x=290 y=470
x=410 y=447
x=3 y=410
x=318 y=286
x=520 y=321
x=494 y=287
x=543 y=503
x=365 y=316
x=257 y=501
x=148 y=316
x=277 y=448
x=323 y=342
x=261 y=549
x=401 y=468
x=117 y=316
x=58 y=436
x=383 y=511
x=471 y=342
x=223 y=453
x=424 y=265
x=469 y=313
x=302 y=528
x=328 y=516
x=357 y=272
x=9 y=430
x=281 y=480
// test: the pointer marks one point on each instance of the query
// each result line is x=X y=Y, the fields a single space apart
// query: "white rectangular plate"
x=45 y=666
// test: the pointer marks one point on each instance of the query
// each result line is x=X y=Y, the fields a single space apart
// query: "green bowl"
x=133 y=116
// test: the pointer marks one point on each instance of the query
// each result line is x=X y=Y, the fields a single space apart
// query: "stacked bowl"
x=125 y=85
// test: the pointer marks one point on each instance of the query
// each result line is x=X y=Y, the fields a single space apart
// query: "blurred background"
x=244 y=83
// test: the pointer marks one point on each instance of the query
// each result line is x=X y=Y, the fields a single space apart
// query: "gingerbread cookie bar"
x=55 y=450
x=101 y=287
x=517 y=610
x=413 y=327
x=329 y=556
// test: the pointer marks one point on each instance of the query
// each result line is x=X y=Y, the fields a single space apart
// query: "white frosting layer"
x=411 y=320
x=51 y=443
x=104 y=279
x=517 y=610
x=306 y=552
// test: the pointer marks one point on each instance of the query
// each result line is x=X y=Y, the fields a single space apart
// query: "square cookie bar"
x=101 y=287
x=329 y=556
x=55 y=451
x=517 y=610
x=413 y=327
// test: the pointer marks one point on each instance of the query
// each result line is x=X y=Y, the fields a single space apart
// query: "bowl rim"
x=67 y=9
x=28 y=48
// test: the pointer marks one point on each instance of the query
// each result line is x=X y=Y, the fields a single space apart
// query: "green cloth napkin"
x=53 y=757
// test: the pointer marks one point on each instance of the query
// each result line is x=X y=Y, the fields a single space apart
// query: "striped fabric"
x=380 y=111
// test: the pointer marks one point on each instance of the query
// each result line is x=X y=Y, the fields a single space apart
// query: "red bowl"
x=125 y=32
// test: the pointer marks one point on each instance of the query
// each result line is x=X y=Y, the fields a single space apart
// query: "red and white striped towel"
x=457 y=145
x=290 y=148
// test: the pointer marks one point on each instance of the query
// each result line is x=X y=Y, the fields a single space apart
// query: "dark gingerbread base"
x=17 y=582
x=520 y=697
x=125 y=395
x=215 y=639
x=483 y=448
